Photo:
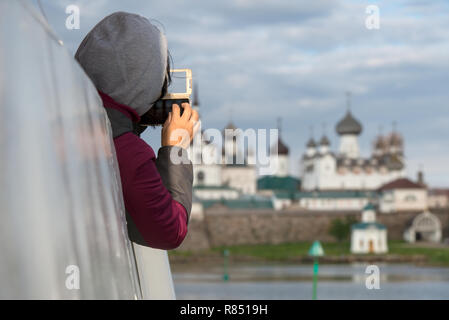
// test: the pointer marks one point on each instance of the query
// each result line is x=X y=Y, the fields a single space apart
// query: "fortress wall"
x=224 y=227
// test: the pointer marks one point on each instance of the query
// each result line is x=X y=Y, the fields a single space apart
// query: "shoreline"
x=297 y=253
x=217 y=259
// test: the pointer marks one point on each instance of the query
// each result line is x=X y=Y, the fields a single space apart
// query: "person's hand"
x=179 y=130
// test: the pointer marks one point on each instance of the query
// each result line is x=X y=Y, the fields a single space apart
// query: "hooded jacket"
x=126 y=58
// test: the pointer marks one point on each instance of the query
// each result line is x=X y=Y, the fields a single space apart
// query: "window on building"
x=388 y=197
x=200 y=177
x=410 y=198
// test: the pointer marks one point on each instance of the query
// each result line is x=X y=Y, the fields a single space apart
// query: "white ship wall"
x=61 y=204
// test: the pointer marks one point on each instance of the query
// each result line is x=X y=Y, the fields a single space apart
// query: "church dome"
x=325 y=141
x=282 y=148
x=311 y=143
x=369 y=206
x=396 y=140
x=349 y=125
x=230 y=126
x=380 y=143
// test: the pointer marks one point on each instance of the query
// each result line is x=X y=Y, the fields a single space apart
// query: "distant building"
x=215 y=192
x=403 y=195
x=245 y=202
x=343 y=200
x=281 y=160
x=218 y=174
x=207 y=168
x=282 y=189
x=425 y=227
x=241 y=175
x=323 y=169
x=281 y=186
x=369 y=236
x=197 y=212
x=206 y=173
x=270 y=184
x=438 y=198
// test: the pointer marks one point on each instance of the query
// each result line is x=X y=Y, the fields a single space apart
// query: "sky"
x=258 y=60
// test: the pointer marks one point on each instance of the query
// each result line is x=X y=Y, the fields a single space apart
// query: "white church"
x=369 y=236
x=225 y=178
x=346 y=169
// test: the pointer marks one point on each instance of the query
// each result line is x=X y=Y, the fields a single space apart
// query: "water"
x=346 y=282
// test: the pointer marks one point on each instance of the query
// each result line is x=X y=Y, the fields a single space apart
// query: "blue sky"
x=260 y=59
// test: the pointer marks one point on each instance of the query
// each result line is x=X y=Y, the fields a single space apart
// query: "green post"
x=315 y=251
x=315 y=278
x=225 y=266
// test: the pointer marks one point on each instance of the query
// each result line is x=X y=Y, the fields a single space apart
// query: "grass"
x=287 y=251
x=435 y=256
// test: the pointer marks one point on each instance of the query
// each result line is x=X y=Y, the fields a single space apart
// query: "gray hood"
x=126 y=57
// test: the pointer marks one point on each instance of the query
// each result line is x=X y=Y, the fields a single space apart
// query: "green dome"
x=369 y=206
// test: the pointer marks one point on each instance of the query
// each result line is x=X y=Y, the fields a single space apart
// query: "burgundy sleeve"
x=160 y=220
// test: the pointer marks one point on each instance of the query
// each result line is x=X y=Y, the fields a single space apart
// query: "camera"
x=179 y=92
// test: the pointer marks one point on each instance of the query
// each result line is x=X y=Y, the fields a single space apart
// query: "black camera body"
x=158 y=113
